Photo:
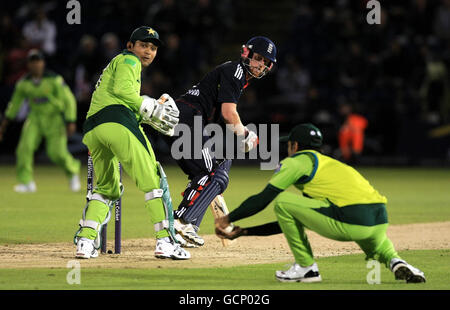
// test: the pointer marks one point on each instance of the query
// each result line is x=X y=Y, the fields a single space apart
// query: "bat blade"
x=219 y=208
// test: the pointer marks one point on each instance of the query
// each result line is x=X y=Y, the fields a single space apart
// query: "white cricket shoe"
x=298 y=273
x=25 y=188
x=85 y=248
x=74 y=183
x=404 y=271
x=184 y=243
x=167 y=249
x=188 y=232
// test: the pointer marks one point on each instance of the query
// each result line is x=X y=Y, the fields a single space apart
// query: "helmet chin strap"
x=248 y=68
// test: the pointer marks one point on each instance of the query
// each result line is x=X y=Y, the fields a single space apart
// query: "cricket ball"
x=229 y=229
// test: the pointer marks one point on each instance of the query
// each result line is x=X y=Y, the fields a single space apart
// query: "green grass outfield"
x=347 y=272
x=52 y=215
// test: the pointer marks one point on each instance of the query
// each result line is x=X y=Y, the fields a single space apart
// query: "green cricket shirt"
x=119 y=84
x=117 y=97
x=322 y=177
x=319 y=177
x=46 y=97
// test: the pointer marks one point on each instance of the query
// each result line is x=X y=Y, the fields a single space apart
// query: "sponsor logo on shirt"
x=278 y=168
x=239 y=72
x=193 y=92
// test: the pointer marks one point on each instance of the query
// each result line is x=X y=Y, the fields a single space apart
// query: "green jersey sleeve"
x=70 y=105
x=58 y=96
x=127 y=76
x=19 y=95
x=290 y=170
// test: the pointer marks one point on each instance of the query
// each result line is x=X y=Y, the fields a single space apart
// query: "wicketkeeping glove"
x=250 y=141
x=161 y=115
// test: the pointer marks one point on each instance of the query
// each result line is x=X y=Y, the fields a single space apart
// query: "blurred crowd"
x=395 y=74
x=331 y=65
x=190 y=30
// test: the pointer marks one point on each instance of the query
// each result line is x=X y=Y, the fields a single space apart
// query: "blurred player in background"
x=337 y=203
x=52 y=116
x=113 y=134
x=351 y=134
x=215 y=100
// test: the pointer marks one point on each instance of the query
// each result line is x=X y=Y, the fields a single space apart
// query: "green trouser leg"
x=376 y=245
x=54 y=131
x=110 y=143
x=96 y=211
x=56 y=146
x=295 y=212
x=29 y=141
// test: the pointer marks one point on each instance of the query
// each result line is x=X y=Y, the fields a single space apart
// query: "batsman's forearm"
x=232 y=118
x=263 y=230
x=255 y=203
x=235 y=124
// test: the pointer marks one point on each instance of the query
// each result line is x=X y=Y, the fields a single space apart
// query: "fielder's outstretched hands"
x=222 y=222
x=235 y=233
x=222 y=229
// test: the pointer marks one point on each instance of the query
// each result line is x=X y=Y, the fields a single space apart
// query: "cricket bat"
x=219 y=209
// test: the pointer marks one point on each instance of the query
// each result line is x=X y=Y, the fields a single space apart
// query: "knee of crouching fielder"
x=279 y=205
x=277 y=208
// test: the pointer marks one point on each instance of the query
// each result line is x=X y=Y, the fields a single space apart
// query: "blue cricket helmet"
x=264 y=47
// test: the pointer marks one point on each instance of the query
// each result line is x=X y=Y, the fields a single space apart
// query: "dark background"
x=395 y=74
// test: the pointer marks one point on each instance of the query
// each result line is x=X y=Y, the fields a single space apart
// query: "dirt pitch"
x=138 y=253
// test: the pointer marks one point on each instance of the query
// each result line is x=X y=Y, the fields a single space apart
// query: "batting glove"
x=250 y=141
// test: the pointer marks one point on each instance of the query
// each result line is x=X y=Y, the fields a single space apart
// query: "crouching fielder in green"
x=337 y=203
x=113 y=134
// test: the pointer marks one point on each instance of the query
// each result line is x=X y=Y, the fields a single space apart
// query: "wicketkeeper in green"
x=113 y=134
x=52 y=116
x=336 y=202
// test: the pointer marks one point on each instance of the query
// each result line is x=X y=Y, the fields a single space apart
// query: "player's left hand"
x=235 y=233
x=250 y=142
x=161 y=114
x=222 y=222
x=71 y=128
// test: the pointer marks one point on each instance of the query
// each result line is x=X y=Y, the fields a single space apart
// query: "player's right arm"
x=231 y=117
x=232 y=82
x=290 y=170
x=13 y=107
x=288 y=173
